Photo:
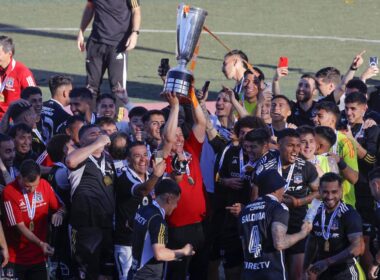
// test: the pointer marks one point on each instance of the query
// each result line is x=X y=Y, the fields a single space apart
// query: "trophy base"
x=180 y=83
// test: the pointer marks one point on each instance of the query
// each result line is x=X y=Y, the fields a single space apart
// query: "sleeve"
x=352 y=222
x=311 y=174
x=349 y=153
x=12 y=210
x=27 y=79
x=371 y=138
x=133 y=3
x=157 y=230
x=218 y=144
x=280 y=214
x=193 y=145
x=54 y=201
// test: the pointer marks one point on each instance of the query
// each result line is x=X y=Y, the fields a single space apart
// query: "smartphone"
x=205 y=86
x=282 y=62
x=164 y=66
x=373 y=61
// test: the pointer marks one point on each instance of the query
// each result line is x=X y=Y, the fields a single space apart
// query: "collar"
x=271 y=196
x=59 y=103
x=162 y=210
x=10 y=66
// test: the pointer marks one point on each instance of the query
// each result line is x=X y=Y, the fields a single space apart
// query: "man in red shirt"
x=14 y=76
x=185 y=223
x=27 y=202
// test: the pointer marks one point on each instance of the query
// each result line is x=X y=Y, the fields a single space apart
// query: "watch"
x=137 y=32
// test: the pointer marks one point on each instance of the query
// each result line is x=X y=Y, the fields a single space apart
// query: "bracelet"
x=136 y=31
x=353 y=68
x=342 y=165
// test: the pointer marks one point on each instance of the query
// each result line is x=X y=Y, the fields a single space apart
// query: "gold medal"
x=327 y=246
x=2 y=98
x=31 y=226
x=107 y=180
x=190 y=180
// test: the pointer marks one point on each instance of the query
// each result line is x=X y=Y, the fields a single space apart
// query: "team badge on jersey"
x=10 y=82
x=297 y=178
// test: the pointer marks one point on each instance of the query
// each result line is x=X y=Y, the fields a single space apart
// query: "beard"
x=305 y=97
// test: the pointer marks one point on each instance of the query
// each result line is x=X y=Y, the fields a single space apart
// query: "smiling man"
x=133 y=189
x=336 y=239
x=301 y=187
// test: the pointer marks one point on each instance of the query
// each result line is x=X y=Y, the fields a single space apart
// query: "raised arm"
x=199 y=127
x=80 y=155
x=280 y=72
x=87 y=16
x=282 y=241
x=242 y=112
x=171 y=124
x=341 y=88
x=145 y=188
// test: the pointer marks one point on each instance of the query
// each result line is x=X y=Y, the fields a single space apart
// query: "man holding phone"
x=133 y=188
x=302 y=109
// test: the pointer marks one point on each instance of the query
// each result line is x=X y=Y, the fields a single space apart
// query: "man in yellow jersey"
x=327 y=114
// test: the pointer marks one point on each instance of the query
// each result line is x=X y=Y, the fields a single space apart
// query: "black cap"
x=269 y=181
x=167 y=186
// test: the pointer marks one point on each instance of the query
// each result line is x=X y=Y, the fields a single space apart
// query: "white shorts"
x=123 y=260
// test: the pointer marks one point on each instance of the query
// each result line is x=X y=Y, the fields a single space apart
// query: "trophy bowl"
x=190 y=22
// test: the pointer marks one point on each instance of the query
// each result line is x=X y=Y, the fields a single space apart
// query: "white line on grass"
x=248 y=34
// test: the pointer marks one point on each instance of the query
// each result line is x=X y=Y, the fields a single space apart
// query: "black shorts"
x=14 y=271
x=92 y=250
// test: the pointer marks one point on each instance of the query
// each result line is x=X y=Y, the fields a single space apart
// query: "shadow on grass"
x=146 y=91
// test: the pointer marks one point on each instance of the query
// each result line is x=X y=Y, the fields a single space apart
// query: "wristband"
x=136 y=31
x=342 y=165
x=353 y=68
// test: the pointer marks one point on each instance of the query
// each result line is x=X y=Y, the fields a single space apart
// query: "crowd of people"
x=265 y=187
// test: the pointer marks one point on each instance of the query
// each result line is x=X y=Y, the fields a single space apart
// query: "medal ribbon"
x=39 y=136
x=102 y=166
x=290 y=174
x=326 y=235
x=360 y=132
x=31 y=209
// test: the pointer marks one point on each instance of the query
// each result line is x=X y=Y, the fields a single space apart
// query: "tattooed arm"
x=355 y=249
x=282 y=241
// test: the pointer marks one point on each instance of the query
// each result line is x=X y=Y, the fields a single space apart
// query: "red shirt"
x=21 y=250
x=192 y=204
x=13 y=80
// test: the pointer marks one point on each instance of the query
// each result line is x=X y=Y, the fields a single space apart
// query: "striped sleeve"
x=157 y=230
x=12 y=210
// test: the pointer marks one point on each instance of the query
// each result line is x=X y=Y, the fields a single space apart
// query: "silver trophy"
x=190 y=22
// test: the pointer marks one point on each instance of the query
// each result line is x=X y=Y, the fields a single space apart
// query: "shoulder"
x=11 y=190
